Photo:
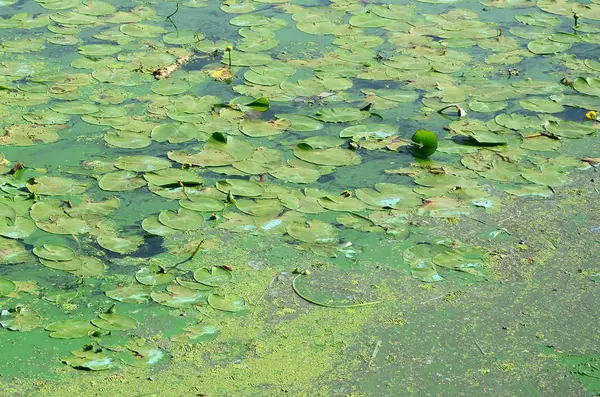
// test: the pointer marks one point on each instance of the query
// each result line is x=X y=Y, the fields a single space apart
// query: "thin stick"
x=478 y=346
x=375 y=352
x=263 y=295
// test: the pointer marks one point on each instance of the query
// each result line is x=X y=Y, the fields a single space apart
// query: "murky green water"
x=226 y=198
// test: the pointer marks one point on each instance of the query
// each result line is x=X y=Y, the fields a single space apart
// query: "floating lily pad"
x=54 y=252
x=111 y=321
x=70 y=329
x=183 y=219
x=333 y=156
x=341 y=115
x=314 y=231
x=19 y=319
x=89 y=359
x=55 y=186
x=121 y=181
x=240 y=187
x=178 y=296
x=134 y=293
x=214 y=277
x=228 y=303
x=6 y=286
x=70 y=265
x=120 y=244
x=153 y=276
x=198 y=334
x=20 y=228
x=336 y=289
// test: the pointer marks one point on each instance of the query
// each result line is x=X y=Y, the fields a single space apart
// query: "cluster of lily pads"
x=248 y=135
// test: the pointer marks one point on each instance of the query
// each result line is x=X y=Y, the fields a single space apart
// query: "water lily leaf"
x=70 y=329
x=240 y=187
x=120 y=244
x=46 y=117
x=99 y=50
x=133 y=293
x=587 y=85
x=121 y=181
x=170 y=86
x=197 y=334
x=153 y=276
x=214 y=277
x=419 y=258
x=56 y=186
x=203 y=204
x=333 y=156
x=179 y=297
x=389 y=196
x=88 y=359
x=20 y=228
x=142 y=163
x=335 y=289
x=19 y=319
x=369 y=131
x=141 y=356
x=341 y=115
x=174 y=132
x=183 y=219
x=568 y=129
x=74 y=108
x=193 y=285
x=466 y=259
x=111 y=321
x=314 y=232
x=141 y=30
x=549 y=176
x=514 y=121
x=91 y=267
x=544 y=47
x=301 y=123
x=6 y=286
x=54 y=252
x=541 y=105
x=228 y=303
x=67 y=265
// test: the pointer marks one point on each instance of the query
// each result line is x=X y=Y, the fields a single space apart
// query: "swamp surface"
x=225 y=198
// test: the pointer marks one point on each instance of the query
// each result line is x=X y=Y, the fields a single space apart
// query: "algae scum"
x=223 y=198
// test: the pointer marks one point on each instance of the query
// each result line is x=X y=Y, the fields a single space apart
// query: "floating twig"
x=478 y=346
x=375 y=352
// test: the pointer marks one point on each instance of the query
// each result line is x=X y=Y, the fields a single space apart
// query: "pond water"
x=231 y=198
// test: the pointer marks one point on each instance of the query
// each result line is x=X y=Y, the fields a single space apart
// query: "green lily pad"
x=314 y=232
x=170 y=87
x=6 y=286
x=120 y=244
x=588 y=85
x=183 y=219
x=545 y=47
x=111 y=321
x=20 y=228
x=332 y=156
x=121 y=181
x=153 y=276
x=142 y=163
x=203 y=204
x=70 y=329
x=74 y=107
x=341 y=115
x=228 y=303
x=89 y=359
x=179 y=297
x=69 y=265
x=240 y=187
x=56 y=186
x=419 y=258
x=335 y=289
x=214 y=277
x=142 y=30
x=197 y=334
x=133 y=293
x=54 y=252
x=19 y=319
